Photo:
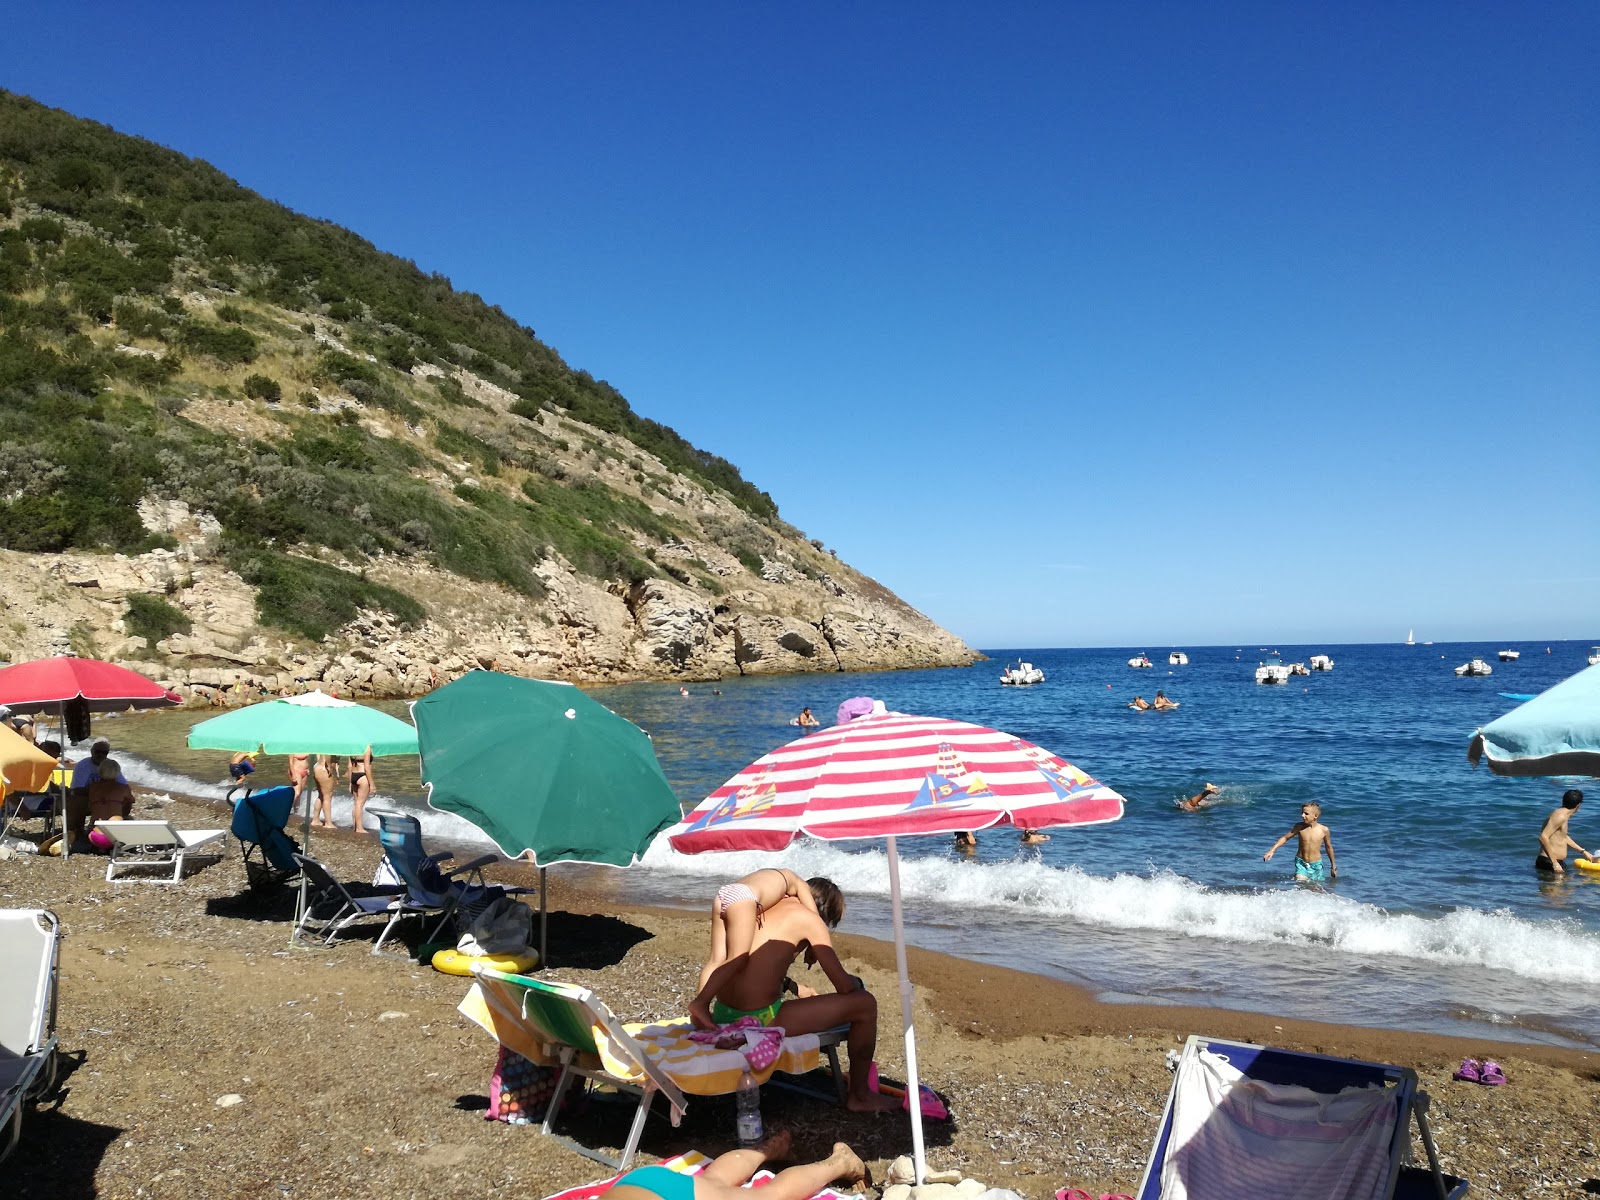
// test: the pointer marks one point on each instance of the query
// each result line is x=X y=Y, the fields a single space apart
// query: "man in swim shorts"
x=1554 y=838
x=1314 y=837
x=723 y=1177
x=752 y=979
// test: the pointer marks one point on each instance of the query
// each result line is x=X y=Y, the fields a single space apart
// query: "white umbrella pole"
x=913 y=1086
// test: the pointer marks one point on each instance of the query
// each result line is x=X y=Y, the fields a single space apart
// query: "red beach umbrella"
x=894 y=776
x=51 y=682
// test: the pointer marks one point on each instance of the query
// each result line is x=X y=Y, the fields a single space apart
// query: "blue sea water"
x=1436 y=922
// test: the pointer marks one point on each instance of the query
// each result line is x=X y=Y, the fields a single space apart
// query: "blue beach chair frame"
x=1322 y=1073
x=258 y=821
x=430 y=889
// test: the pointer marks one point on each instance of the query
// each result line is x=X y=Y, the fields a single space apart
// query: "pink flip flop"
x=1468 y=1071
x=1492 y=1074
x=1073 y=1194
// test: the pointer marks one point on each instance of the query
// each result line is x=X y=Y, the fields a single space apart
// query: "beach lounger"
x=457 y=895
x=564 y=1025
x=1246 y=1120
x=269 y=852
x=331 y=905
x=136 y=844
x=30 y=949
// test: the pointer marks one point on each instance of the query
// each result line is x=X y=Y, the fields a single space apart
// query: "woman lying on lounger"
x=721 y=1180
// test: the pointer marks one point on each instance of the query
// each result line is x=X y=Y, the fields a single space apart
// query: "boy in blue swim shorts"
x=722 y=1178
x=1314 y=837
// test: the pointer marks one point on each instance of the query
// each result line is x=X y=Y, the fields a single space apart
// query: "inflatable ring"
x=452 y=962
x=1586 y=865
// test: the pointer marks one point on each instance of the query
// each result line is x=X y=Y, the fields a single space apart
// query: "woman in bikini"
x=723 y=1177
x=324 y=773
x=300 y=779
x=735 y=917
x=360 y=787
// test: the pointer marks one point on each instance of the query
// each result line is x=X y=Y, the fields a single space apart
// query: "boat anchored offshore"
x=1140 y=661
x=1299 y=669
x=1411 y=637
x=1321 y=662
x=1510 y=655
x=1272 y=671
x=1594 y=656
x=1476 y=667
x=1021 y=674
x=1178 y=659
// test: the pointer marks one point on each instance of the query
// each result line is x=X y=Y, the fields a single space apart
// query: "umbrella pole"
x=913 y=1085
x=66 y=834
x=544 y=923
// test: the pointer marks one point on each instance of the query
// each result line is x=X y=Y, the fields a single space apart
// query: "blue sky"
x=1074 y=324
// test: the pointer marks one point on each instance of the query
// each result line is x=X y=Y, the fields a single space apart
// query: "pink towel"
x=760 y=1044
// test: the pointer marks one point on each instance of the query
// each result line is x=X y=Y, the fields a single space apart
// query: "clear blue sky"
x=1073 y=324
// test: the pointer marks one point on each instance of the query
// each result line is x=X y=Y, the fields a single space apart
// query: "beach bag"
x=520 y=1090
x=75 y=716
x=502 y=928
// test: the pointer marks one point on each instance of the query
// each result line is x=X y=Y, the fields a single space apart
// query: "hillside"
x=243 y=443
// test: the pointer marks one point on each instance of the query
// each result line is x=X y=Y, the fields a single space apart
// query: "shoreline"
x=175 y=997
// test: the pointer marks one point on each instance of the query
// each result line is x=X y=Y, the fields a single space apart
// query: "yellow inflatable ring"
x=1586 y=865
x=452 y=962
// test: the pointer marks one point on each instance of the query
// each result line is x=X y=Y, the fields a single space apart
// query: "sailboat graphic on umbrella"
x=754 y=799
x=949 y=784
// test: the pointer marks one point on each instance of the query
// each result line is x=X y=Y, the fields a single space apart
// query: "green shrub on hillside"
x=263 y=387
x=314 y=599
x=153 y=618
x=225 y=343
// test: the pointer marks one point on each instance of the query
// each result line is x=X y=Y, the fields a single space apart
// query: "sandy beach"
x=358 y=1077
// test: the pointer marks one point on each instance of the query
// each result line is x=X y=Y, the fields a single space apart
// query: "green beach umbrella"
x=314 y=723
x=541 y=767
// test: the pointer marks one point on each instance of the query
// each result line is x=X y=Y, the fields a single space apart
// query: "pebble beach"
x=208 y=1058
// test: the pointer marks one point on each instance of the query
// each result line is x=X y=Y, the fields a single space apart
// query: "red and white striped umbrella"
x=894 y=776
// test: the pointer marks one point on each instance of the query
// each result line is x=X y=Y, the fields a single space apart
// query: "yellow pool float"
x=452 y=962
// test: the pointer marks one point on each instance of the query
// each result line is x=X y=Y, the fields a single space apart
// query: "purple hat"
x=856 y=706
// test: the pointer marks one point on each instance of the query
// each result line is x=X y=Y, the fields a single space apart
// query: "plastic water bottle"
x=748 y=1100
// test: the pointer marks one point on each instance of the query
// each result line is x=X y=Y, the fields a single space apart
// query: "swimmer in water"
x=1204 y=798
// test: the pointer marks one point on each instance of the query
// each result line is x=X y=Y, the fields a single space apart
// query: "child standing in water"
x=1314 y=836
x=735 y=917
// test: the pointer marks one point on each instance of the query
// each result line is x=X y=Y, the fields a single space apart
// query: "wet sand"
x=358 y=1077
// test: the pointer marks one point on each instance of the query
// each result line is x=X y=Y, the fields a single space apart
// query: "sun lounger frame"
x=29 y=937
x=1280 y=1066
x=319 y=879
x=573 y=1012
x=141 y=844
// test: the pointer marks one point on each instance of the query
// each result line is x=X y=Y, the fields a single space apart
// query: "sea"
x=1437 y=921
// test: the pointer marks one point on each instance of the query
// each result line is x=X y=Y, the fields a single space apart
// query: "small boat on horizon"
x=1594 y=656
x=1321 y=662
x=1178 y=659
x=1140 y=661
x=1476 y=667
x=1411 y=637
x=1510 y=655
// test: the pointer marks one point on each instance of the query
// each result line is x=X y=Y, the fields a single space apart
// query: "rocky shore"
x=209 y=1059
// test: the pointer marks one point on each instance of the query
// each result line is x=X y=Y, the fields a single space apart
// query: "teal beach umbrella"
x=541 y=767
x=1555 y=733
x=310 y=724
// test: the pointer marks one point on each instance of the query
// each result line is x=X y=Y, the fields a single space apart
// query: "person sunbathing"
x=724 y=1177
x=747 y=973
x=1161 y=703
x=1140 y=704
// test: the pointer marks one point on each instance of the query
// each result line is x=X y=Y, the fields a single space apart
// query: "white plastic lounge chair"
x=1246 y=1120
x=30 y=944
x=570 y=1026
x=157 y=844
x=331 y=906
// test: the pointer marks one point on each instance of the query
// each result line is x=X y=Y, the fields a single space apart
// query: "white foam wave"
x=939 y=890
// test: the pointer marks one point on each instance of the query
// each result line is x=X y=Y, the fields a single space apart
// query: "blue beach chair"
x=456 y=894
x=1246 y=1120
x=258 y=821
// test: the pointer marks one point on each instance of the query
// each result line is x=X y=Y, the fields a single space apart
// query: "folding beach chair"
x=332 y=906
x=30 y=948
x=568 y=1026
x=269 y=852
x=136 y=844
x=1246 y=1120
x=458 y=894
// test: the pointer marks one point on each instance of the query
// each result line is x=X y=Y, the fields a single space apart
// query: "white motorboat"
x=1272 y=671
x=1510 y=655
x=1299 y=669
x=1594 y=656
x=1178 y=659
x=1140 y=661
x=1476 y=667
x=1021 y=674
x=1321 y=662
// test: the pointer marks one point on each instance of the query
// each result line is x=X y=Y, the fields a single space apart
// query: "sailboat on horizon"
x=1411 y=637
